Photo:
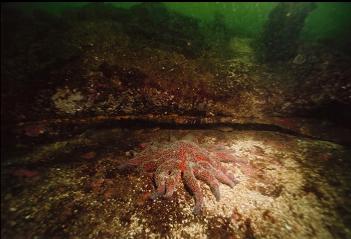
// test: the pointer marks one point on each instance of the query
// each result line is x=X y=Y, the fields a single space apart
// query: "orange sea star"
x=184 y=160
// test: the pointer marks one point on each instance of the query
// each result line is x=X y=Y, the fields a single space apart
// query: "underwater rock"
x=115 y=73
x=92 y=194
x=89 y=155
x=153 y=24
x=25 y=173
x=279 y=41
x=299 y=59
x=68 y=101
x=35 y=130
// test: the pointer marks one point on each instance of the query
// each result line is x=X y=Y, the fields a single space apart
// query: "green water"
x=328 y=20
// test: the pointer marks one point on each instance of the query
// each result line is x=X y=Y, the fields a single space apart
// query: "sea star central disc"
x=184 y=159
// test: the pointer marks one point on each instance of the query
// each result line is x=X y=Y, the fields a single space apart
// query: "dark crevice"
x=68 y=130
x=141 y=124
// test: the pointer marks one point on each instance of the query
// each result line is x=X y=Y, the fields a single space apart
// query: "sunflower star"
x=184 y=159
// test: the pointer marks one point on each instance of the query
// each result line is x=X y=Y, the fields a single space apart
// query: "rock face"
x=289 y=187
x=105 y=61
x=281 y=34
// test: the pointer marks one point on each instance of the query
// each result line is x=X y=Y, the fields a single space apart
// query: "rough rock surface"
x=104 y=64
x=290 y=187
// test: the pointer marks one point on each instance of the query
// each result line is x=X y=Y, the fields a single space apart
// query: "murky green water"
x=328 y=20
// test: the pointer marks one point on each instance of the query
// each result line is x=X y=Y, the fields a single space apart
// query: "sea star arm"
x=167 y=176
x=192 y=184
x=225 y=156
x=228 y=156
x=160 y=181
x=205 y=176
x=216 y=163
x=223 y=178
x=172 y=181
x=219 y=173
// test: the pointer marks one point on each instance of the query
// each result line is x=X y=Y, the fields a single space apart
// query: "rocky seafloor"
x=289 y=187
x=82 y=91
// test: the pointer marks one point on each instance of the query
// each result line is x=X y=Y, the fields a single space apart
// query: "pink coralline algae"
x=184 y=160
